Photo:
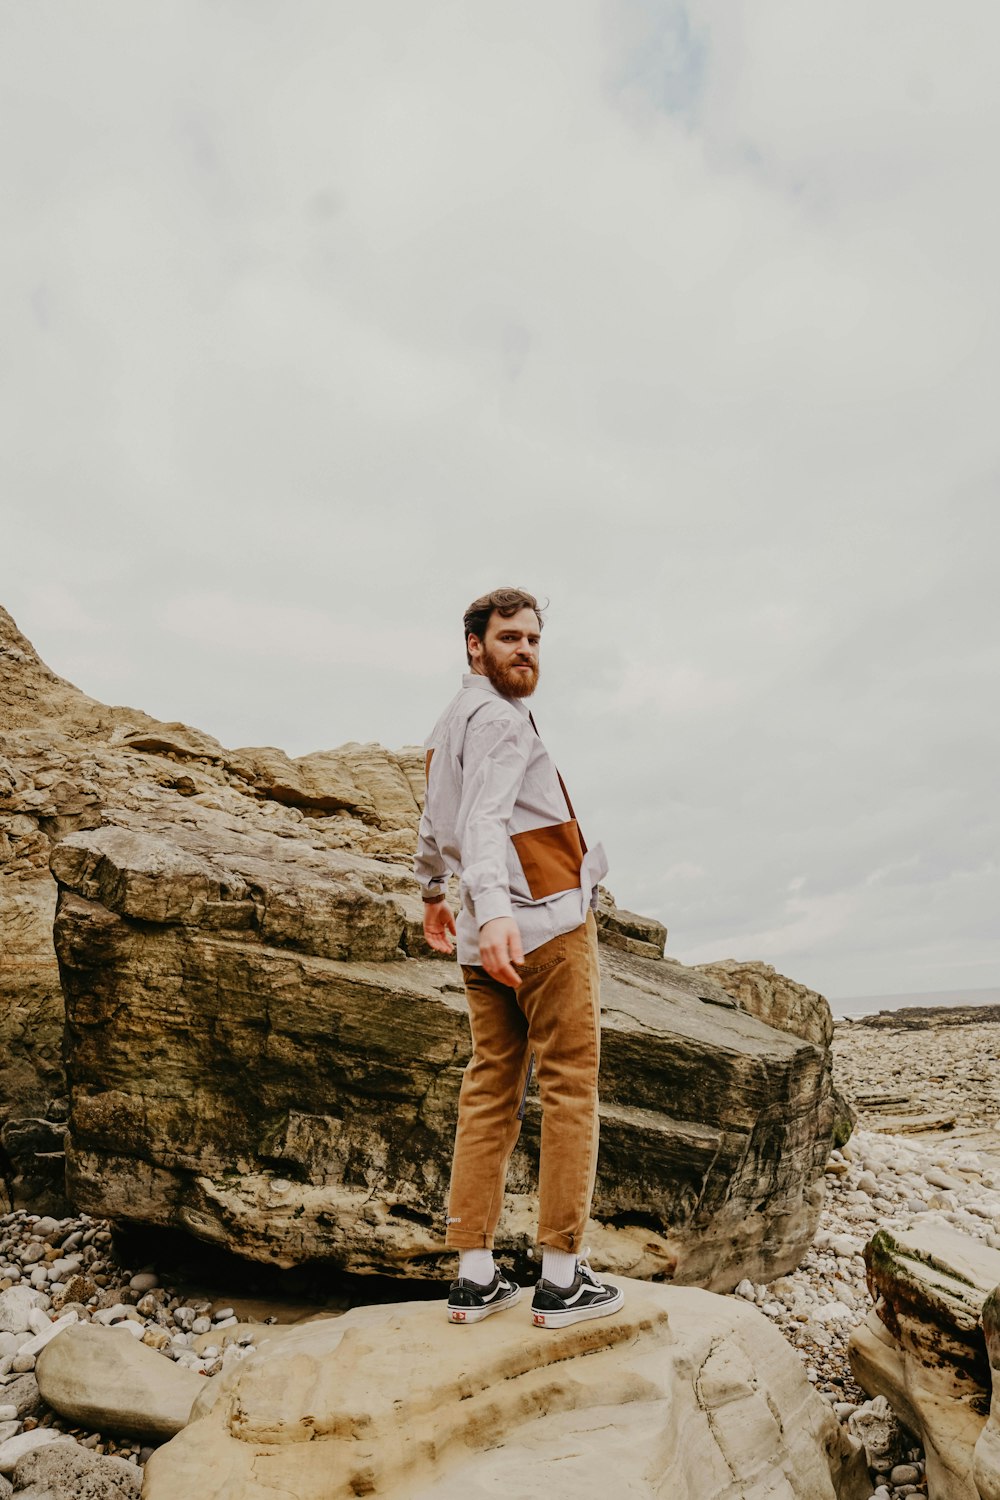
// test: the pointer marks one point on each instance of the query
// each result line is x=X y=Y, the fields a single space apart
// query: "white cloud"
x=684 y=315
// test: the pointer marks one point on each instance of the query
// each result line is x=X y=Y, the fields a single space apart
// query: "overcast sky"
x=320 y=318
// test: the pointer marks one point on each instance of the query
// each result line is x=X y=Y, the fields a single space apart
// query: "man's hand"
x=500 y=949
x=439 y=924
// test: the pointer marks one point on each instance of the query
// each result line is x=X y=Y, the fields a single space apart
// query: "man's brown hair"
x=505 y=602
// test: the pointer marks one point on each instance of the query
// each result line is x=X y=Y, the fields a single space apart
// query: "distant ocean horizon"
x=870 y=1005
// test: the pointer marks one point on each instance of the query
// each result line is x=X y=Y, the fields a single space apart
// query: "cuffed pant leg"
x=561 y=998
x=488 y=1124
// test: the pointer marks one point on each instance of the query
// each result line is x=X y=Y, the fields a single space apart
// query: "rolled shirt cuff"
x=493 y=904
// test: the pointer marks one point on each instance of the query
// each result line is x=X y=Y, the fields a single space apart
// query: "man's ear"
x=474 y=645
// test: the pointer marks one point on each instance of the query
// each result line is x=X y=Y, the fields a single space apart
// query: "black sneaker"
x=470 y=1302
x=556 y=1306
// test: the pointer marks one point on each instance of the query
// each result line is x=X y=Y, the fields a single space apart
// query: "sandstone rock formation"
x=68 y=762
x=986 y=1464
x=261 y=1050
x=253 y=1057
x=772 y=998
x=923 y=1347
x=681 y=1394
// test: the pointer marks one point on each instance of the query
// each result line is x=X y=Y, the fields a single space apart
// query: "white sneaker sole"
x=477 y=1314
x=577 y=1314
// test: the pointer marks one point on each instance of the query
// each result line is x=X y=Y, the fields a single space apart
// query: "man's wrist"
x=434 y=899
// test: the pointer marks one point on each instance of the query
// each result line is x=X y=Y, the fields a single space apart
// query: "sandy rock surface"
x=681 y=1393
x=923 y=1345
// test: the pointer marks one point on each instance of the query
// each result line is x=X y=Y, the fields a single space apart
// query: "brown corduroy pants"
x=556 y=1014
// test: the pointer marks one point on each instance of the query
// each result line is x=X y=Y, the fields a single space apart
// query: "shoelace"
x=583 y=1266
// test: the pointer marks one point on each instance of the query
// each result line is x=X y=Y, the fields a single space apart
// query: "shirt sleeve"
x=495 y=758
x=428 y=866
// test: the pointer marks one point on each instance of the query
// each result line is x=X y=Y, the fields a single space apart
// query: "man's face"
x=508 y=655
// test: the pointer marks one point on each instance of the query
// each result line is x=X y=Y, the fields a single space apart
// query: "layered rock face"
x=253 y=1056
x=680 y=1394
x=68 y=762
x=923 y=1347
x=771 y=997
x=261 y=1050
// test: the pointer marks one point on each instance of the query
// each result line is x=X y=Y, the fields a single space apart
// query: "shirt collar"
x=482 y=682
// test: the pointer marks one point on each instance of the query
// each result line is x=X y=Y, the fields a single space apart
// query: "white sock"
x=558 y=1266
x=477 y=1266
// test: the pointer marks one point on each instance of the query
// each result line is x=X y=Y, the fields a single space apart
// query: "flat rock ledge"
x=930 y=1346
x=682 y=1393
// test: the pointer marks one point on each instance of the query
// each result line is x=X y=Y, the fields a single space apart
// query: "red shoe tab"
x=458 y=1317
x=538 y=1319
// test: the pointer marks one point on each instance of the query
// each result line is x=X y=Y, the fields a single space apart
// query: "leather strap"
x=562 y=784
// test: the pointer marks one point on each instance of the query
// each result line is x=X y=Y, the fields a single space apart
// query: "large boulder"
x=773 y=998
x=66 y=760
x=106 y=1380
x=681 y=1393
x=262 y=1050
x=923 y=1346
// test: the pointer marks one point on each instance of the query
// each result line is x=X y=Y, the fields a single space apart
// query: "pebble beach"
x=926 y=1145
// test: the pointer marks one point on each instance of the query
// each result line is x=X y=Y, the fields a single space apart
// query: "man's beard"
x=508 y=679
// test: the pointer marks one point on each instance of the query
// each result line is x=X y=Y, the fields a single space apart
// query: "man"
x=498 y=816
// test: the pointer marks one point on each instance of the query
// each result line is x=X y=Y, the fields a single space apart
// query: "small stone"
x=34 y=1345
x=14 y=1306
x=225 y=1313
x=22 y=1392
x=144 y=1281
x=201 y=1325
x=25 y=1442
x=904 y=1474
x=130 y=1325
x=744 y=1289
x=38 y=1321
x=23 y=1364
